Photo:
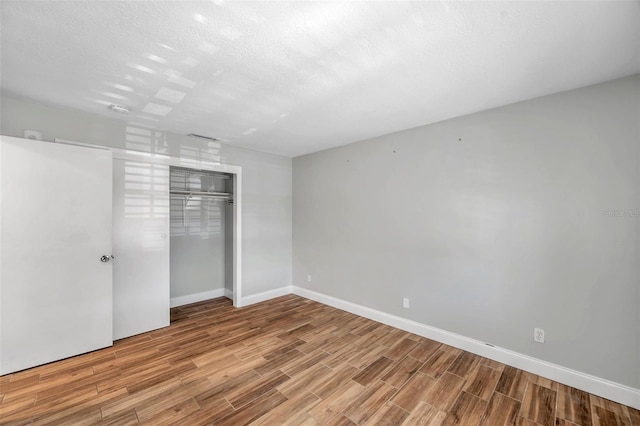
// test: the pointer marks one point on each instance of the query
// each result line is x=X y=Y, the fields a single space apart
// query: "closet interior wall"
x=201 y=233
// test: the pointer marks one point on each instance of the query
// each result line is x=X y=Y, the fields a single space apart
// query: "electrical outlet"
x=405 y=302
x=538 y=335
x=308 y=278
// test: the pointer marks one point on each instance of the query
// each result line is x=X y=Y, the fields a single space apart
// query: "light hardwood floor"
x=290 y=361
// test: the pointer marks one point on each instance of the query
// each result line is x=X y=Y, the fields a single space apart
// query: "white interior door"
x=55 y=224
x=141 y=247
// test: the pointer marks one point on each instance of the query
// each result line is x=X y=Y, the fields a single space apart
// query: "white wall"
x=228 y=253
x=266 y=178
x=492 y=224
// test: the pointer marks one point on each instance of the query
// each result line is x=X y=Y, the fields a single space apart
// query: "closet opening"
x=201 y=235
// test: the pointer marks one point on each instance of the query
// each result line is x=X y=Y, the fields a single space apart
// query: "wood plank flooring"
x=290 y=361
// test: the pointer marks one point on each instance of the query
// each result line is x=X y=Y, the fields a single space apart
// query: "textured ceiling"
x=297 y=77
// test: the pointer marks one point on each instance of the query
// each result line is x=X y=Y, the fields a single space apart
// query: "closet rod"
x=224 y=195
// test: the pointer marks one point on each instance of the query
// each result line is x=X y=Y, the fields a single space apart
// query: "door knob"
x=105 y=258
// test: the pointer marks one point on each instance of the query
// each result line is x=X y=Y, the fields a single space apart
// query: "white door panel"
x=141 y=247
x=55 y=293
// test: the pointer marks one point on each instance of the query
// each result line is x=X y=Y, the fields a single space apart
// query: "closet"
x=201 y=235
x=98 y=242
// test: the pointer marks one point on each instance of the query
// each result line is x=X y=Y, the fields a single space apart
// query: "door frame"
x=167 y=160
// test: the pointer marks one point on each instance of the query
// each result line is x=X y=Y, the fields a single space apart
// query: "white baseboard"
x=265 y=295
x=607 y=389
x=228 y=293
x=198 y=297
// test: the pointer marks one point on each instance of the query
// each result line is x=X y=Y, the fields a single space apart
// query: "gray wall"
x=266 y=185
x=492 y=224
x=198 y=251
